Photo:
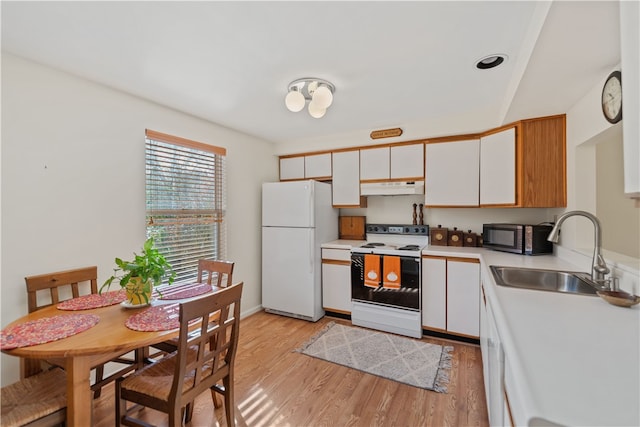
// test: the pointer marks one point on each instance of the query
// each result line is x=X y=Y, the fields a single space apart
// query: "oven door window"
x=407 y=297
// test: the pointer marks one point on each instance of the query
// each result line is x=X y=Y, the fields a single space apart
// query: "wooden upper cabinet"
x=542 y=163
x=524 y=165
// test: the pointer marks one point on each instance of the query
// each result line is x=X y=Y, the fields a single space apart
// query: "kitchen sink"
x=545 y=280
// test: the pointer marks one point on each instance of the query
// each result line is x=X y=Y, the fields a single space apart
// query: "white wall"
x=585 y=127
x=616 y=211
x=399 y=210
x=73 y=181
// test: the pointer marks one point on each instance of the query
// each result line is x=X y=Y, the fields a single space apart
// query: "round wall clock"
x=612 y=97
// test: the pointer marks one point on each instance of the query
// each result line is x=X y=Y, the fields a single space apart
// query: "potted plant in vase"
x=139 y=275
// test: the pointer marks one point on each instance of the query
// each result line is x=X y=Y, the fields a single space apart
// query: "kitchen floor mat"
x=406 y=360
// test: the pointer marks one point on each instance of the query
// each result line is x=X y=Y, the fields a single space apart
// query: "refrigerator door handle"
x=311 y=250
x=311 y=205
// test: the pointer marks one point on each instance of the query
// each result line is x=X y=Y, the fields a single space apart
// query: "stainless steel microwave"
x=517 y=238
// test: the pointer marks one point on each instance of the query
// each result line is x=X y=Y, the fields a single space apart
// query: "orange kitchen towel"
x=391 y=272
x=372 y=270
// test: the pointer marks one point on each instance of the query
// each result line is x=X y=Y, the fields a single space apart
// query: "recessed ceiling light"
x=490 y=61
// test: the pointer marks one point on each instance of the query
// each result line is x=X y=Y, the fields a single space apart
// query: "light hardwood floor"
x=276 y=386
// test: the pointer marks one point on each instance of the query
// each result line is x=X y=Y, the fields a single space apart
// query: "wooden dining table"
x=79 y=353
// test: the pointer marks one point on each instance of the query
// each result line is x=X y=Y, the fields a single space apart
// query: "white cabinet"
x=503 y=405
x=394 y=162
x=434 y=293
x=520 y=165
x=452 y=173
x=336 y=280
x=484 y=339
x=313 y=166
x=374 y=164
x=463 y=297
x=472 y=172
x=630 y=68
x=494 y=381
x=346 y=178
x=451 y=295
x=407 y=161
x=498 y=168
x=291 y=168
x=317 y=166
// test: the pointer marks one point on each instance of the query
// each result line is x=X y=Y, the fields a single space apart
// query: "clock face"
x=612 y=98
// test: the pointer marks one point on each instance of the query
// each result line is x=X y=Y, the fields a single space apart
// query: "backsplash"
x=399 y=210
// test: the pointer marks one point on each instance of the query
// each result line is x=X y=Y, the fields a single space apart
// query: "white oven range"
x=386 y=278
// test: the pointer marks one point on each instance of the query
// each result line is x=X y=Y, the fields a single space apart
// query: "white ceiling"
x=394 y=64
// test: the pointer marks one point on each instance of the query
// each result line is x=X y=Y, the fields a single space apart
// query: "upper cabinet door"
x=452 y=173
x=346 y=179
x=318 y=166
x=630 y=67
x=407 y=161
x=374 y=163
x=291 y=168
x=498 y=168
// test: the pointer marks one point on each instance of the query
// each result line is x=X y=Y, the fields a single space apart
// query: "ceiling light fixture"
x=318 y=92
x=490 y=61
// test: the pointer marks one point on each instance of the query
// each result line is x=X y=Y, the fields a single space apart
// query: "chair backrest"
x=52 y=282
x=211 y=267
x=208 y=342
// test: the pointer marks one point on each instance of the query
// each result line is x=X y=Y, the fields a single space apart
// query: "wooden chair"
x=40 y=400
x=172 y=384
x=52 y=285
x=220 y=269
x=208 y=269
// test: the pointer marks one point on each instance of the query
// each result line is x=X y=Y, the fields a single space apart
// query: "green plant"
x=149 y=265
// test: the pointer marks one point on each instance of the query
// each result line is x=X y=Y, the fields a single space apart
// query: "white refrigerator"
x=297 y=217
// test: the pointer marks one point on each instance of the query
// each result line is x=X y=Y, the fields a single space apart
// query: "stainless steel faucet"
x=599 y=268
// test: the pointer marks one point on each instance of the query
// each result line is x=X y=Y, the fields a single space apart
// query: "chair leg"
x=229 y=408
x=121 y=404
x=99 y=376
x=216 y=399
x=175 y=418
x=188 y=412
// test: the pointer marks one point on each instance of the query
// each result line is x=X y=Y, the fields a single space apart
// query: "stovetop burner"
x=394 y=239
x=372 y=245
x=409 y=248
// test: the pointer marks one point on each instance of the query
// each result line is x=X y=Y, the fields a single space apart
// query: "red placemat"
x=158 y=318
x=90 y=301
x=187 y=290
x=45 y=330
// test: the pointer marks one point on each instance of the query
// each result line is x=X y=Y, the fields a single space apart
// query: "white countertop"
x=342 y=244
x=575 y=359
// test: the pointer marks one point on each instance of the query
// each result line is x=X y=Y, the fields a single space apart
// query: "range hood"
x=391 y=188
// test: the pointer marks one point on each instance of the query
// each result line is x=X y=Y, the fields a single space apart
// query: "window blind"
x=185 y=201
